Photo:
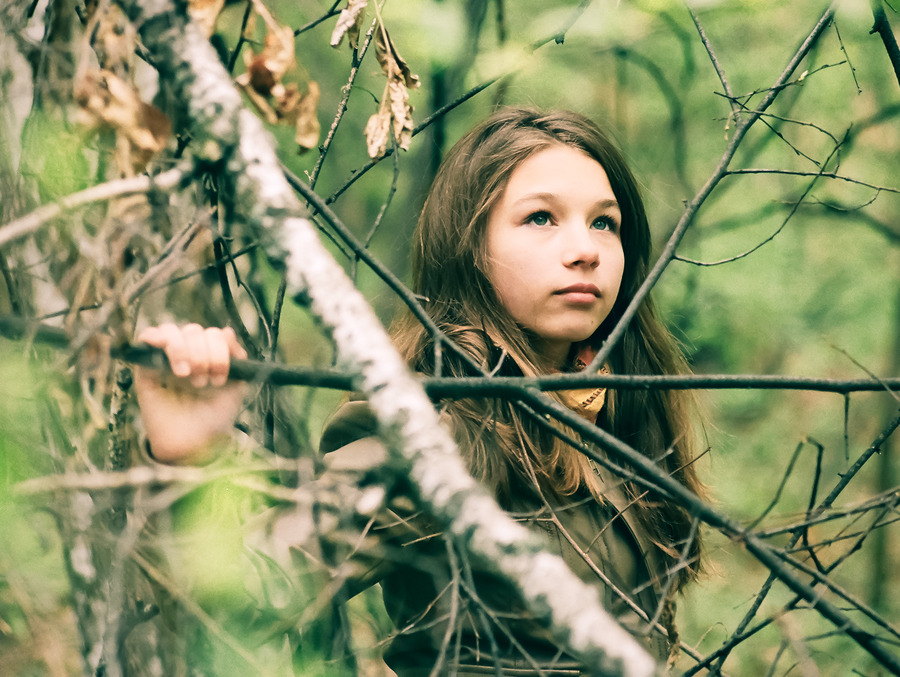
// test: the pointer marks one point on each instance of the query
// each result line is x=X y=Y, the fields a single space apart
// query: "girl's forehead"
x=559 y=169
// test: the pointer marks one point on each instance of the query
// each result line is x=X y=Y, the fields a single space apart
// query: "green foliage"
x=817 y=298
x=55 y=156
x=33 y=587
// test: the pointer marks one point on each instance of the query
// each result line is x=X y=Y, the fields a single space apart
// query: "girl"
x=530 y=245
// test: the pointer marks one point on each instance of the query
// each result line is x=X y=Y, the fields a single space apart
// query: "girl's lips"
x=579 y=289
x=579 y=294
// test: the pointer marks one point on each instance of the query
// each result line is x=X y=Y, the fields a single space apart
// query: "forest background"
x=788 y=266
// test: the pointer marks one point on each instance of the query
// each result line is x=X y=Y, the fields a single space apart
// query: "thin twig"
x=332 y=11
x=560 y=35
x=474 y=386
x=837 y=32
x=241 y=38
x=743 y=629
x=759 y=245
x=707 y=44
x=422 y=126
x=691 y=208
x=779 y=490
x=222 y=259
x=824 y=175
x=25 y=225
x=342 y=106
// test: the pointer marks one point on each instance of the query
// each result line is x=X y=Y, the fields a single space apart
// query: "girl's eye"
x=605 y=223
x=539 y=219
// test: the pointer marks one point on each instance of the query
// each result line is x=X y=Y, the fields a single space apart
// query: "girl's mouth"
x=579 y=289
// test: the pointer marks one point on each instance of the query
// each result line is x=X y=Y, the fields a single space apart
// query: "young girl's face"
x=555 y=257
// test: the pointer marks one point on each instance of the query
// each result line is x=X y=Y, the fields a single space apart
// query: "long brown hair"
x=507 y=451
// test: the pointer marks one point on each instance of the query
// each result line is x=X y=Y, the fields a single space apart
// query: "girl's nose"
x=579 y=248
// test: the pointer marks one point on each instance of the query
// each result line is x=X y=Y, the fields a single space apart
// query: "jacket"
x=449 y=610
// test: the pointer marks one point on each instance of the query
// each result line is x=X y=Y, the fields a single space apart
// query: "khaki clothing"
x=432 y=601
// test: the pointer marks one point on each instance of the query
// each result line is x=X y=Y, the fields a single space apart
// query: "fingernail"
x=181 y=369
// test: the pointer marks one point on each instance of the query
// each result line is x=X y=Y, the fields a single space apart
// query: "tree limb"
x=25 y=225
x=883 y=27
x=226 y=134
x=718 y=174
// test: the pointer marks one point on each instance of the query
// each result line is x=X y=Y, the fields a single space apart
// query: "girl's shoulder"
x=353 y=421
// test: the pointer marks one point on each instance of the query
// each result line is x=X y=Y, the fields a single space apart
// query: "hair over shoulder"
x=509 y=452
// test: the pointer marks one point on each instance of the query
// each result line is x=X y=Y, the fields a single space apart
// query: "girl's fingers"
x=235 y=349
x=170 y=338
x=201 y=354
x=219 y=358
x=198 y=354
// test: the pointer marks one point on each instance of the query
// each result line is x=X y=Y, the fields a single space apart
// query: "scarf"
x=586 y=402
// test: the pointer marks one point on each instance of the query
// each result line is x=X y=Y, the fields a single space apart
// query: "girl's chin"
x=556 y=347
x=570 y=337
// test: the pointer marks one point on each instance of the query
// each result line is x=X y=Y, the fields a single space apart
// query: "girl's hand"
x=185 y=413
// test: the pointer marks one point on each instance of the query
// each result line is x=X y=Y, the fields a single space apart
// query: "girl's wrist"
x=222 y=445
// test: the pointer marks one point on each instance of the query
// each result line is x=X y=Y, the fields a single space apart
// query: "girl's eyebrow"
x=605 y=203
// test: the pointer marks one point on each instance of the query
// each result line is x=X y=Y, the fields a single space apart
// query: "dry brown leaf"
x=262 y=81
x=401 y=112
x=349 y=23
x=108 y=101
x=266 y=69
x=205 y=13
x=391 y=61
x=393 y=116
x=262 y=104
x=395 y=113
x=292 y=107
x=377 y=129
x=307 y=134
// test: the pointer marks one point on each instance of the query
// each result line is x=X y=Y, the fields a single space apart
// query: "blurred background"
x=792 y=270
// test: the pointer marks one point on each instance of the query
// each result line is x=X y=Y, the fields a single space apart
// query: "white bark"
x=223 y=131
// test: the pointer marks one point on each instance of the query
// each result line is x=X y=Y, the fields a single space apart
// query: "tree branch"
x=227 y=134
x=474 y=386
x=719 y=172
x=25 y=225
x=883 y=27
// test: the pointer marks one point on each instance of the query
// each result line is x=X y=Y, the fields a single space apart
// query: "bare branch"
x=729 y=93
x=691 y=209
x=408 y=422
x=823 y=175
x=883 y=27
x=777 y=231
x=29 y=223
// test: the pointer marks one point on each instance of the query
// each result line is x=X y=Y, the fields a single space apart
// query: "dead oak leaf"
x=263 y=79
x=106 y=100
x=277 y=101
x=266 y=69
x=395 y=112
x=391 y=62
x=299 y=110
x=401 y=113
x=307 y=124
x=377 y=129
x=393 y=116
x=349 y=23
